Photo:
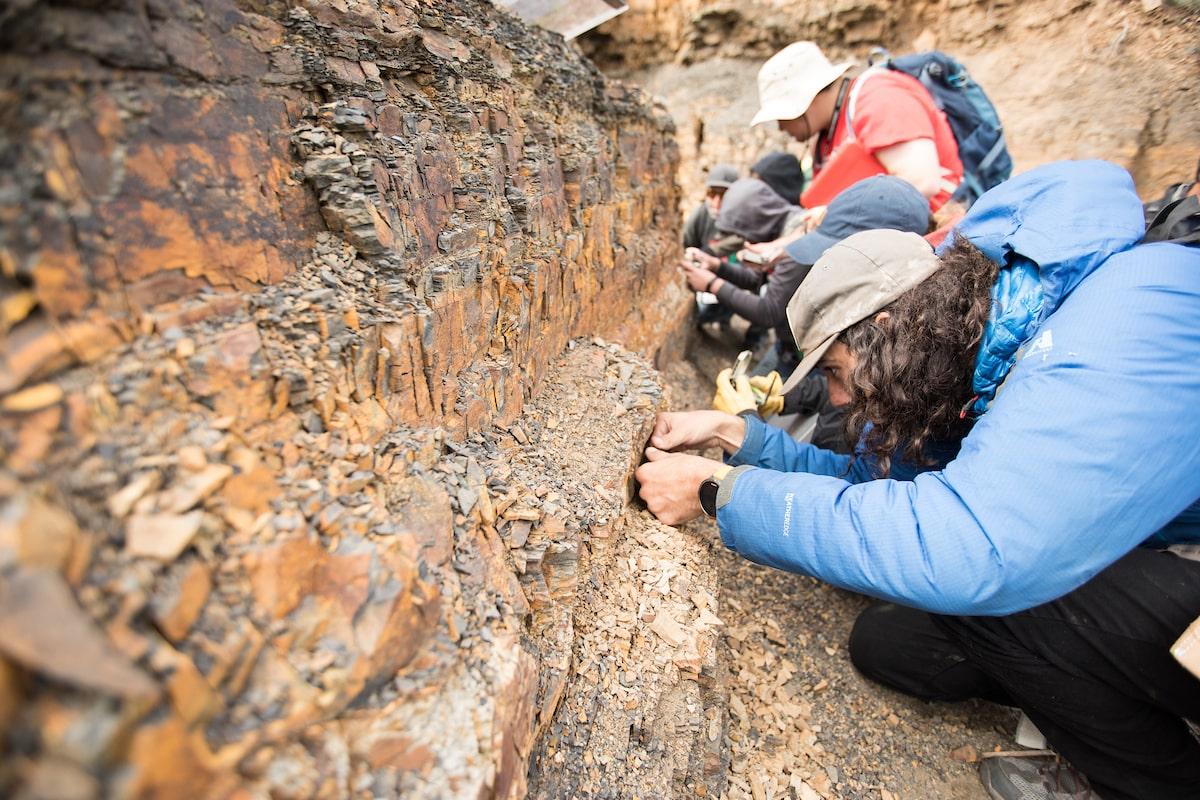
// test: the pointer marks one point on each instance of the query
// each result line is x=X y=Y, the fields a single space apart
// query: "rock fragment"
x=161 y=536
x=122 y=502
x=193 y=488
x=43 y=629
x=34 y=398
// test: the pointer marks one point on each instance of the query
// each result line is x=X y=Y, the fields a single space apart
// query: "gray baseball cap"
x=721 y=176
x=854 y=279
x=883 y=201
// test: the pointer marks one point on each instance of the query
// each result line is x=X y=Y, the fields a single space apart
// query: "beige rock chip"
x=193 y=488
x=43 y=628
x=61 y=779
x=121 y=502
x=487 y=512
x=15 y=307
x=192 y=458
x=35 y=533
x=161 y=536
x=671 y=631
x=806 y=792
x=190 y=694
x=176 y=612
x=34 y=398
x=518 y=512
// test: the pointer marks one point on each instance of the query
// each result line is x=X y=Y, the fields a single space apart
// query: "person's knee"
x=871 y=645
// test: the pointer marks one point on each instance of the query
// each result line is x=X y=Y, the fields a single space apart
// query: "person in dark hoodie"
x=1046 y=565
x=753 y=212
x=783 y=173
x=762 y=298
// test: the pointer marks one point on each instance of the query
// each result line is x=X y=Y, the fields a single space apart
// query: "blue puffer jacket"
x=1049 y=229
x=1088 y=451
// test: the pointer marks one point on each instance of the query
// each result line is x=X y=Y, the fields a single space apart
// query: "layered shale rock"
x=304 y=457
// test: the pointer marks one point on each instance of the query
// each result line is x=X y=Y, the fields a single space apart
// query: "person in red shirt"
x=880 y=121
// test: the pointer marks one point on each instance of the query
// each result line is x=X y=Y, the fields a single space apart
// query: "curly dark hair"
x=913 y=373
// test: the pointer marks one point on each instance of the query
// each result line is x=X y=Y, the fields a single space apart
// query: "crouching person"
x=1031 y=567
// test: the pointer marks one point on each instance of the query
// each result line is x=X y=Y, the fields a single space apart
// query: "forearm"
x=739 y=276
x=865 y=538
x=768 y=447
x=746 y=304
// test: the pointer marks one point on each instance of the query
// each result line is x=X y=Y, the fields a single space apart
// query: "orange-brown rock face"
x=278 y=283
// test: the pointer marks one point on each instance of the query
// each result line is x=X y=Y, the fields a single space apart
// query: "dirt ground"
x=803 y=723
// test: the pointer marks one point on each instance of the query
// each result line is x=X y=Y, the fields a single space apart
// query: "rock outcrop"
x=305 y=436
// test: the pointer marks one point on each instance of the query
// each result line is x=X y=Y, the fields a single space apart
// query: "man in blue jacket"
x=1034 y=555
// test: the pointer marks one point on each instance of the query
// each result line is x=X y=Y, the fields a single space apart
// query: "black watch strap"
x=708 y=496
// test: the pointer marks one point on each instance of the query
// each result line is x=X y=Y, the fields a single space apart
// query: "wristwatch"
x=708 y=491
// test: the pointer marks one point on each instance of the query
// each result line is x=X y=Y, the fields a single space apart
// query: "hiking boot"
x=1033 y=778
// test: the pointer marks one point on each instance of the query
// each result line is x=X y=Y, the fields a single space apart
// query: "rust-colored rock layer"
x=278 y=282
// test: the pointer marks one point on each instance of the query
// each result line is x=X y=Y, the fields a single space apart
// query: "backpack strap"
x=852 y=100
x=827 y=134
x=1178 y=222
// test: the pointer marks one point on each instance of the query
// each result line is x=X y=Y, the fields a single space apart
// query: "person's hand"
x=670 y=484
x=768 y=390
x=761 y=248
x=770 y=251
x=814 y=217
x=733 y=397
x=695 y=257
x=698 y=279
x=759 y=257
x=696 y=430
x=949 y=214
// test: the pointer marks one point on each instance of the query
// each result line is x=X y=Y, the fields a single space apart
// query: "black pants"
x=1092 y=670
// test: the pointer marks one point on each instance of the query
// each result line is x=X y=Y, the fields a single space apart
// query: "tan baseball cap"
x=857 y=277
x=790 y=80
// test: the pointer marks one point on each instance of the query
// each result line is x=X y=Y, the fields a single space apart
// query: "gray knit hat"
x=721 y=176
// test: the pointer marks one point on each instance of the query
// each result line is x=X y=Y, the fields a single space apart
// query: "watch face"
x=708 y=496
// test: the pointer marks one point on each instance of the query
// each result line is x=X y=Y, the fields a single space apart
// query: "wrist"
x=708 y=287
x=731 y=432
x=709 y=491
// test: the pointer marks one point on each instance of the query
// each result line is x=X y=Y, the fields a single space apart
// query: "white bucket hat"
x=790 y=80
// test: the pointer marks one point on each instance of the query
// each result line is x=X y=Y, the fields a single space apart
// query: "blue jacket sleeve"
x=771 y=448
x=1088 y=450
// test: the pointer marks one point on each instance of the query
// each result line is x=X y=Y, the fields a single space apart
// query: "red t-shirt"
x=891 y=108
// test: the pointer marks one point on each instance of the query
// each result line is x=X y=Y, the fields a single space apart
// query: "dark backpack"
x=971 y=115
x=1174 y=217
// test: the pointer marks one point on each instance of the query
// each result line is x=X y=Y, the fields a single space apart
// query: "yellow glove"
x=768 y=391
x=733 y=398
